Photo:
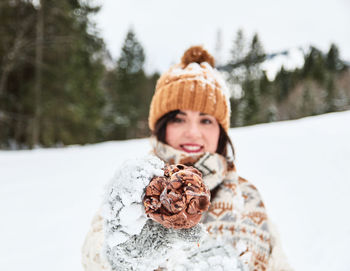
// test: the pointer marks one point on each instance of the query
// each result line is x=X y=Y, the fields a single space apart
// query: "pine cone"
x=177 y=199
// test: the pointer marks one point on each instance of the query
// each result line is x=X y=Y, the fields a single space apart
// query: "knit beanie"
x=194 y=84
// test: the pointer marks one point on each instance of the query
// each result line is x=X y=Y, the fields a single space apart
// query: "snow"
x=292 y=60
x=123 y=207
x=49 y=196
x=205 y=74
x=210 y=255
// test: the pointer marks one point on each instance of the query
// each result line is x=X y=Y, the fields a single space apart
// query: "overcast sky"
x=166 y=28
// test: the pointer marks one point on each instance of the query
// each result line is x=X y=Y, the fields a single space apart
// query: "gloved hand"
x=211 y=254
x=132 y=241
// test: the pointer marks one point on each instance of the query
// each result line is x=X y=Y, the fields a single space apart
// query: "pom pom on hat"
x=198 y=55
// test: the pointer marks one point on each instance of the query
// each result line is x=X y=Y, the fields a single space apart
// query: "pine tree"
x=247 y=80
x=73 y=55
x=50 y=90
x=251 y=85
x=334 y=65
x=333 y=61
x=238 y=54
x=16 y=71
x=254 y=57
x=236 y=77
x=127 y=86
x=251 y=102
x=314 y=65
x=283 y=84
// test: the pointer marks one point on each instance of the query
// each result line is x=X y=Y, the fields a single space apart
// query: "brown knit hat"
x=193 y=84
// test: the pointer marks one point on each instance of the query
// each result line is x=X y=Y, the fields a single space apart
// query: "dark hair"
x=160 y=133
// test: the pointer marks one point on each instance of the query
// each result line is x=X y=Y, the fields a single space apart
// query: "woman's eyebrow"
x=203 y=114
x=181 y=113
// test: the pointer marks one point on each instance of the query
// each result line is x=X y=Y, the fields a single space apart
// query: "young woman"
x=189 y=119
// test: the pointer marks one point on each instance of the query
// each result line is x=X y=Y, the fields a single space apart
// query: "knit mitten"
x=132 y=241
x=211 y=254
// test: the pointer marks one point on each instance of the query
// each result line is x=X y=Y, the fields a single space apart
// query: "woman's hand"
x=132 y=241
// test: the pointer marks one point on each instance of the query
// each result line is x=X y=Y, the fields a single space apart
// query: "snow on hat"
x=194 y=84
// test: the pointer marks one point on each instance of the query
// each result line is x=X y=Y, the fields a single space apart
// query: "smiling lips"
x=192 y=148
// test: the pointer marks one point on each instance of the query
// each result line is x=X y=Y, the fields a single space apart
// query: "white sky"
x=167 y=28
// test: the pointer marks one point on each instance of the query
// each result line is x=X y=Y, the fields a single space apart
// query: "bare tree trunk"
x=38 y=74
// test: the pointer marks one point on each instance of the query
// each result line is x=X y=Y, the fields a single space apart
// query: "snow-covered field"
x=302 y=169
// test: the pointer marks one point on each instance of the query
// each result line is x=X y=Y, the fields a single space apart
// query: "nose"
x=193 y=131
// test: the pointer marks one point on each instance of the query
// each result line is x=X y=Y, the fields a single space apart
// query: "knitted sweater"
x=237 y=216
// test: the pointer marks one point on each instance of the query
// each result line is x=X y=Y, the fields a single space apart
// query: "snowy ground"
x=302 y=168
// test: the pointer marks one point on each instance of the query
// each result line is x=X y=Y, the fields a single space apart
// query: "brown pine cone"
x=177 y=199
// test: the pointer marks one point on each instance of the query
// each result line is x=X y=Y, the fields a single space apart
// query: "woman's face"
x=193 y=132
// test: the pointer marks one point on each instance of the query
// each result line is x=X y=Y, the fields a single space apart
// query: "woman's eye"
x=206 y=121
x=177 y=120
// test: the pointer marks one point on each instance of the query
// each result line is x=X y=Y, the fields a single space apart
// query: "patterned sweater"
x=237 y=214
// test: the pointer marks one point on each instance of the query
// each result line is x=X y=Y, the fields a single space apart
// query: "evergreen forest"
x=59 y=84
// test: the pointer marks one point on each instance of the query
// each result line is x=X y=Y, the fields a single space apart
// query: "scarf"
x=237 y=212
x=213 y=166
